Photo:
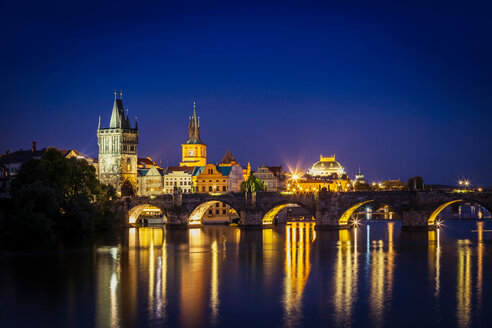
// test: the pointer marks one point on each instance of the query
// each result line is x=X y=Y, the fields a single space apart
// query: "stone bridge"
x=418 y=210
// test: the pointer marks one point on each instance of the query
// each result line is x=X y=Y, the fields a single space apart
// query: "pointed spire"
x=99 y=124
x=118 y=114
x=121 y=94
x=194 y=128
x=136 y=123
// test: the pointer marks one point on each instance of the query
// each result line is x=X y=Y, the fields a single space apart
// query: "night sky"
x=397 y=89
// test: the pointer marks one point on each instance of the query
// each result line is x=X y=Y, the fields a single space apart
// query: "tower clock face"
x=191 y=152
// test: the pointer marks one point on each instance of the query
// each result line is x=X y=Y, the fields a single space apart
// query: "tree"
x=59 y=194
x=253 y=184
x=359 y=186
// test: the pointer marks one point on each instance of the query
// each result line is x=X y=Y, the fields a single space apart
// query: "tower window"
x=128 y=164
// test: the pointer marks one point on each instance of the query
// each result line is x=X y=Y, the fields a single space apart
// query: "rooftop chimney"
x=34 y=146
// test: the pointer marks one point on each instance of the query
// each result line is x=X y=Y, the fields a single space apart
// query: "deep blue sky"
x=397 y=89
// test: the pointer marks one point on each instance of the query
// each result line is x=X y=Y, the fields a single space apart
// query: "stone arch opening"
x=269 y=217
x=435 y=219
x=196 y=216
x=146 y=214
x=127 y=189
x=347 y=216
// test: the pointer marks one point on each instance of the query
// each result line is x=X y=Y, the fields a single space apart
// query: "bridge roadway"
x=418 y=210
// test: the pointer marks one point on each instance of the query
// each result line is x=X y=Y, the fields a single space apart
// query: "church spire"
x=194 y=128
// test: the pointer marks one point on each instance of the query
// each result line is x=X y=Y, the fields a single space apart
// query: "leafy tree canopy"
x=253 y=184
x=59 y=194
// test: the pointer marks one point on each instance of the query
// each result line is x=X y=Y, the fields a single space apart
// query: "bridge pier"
x=251 y=218
x=416 y=220
x=328 y=219
x=177 y=217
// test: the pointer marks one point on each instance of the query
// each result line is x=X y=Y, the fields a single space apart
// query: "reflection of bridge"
x=418 y=210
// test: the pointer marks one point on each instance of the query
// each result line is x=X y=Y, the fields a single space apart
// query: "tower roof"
x=228 y=158
x=194 y=128
x=118 y=118
x=117 y=115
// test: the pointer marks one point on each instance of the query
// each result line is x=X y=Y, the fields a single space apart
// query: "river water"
x=373 y=276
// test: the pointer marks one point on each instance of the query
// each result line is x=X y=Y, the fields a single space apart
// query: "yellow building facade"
x=194 y=151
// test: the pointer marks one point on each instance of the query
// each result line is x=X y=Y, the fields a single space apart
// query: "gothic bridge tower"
x=118 y=151
x=194 y=151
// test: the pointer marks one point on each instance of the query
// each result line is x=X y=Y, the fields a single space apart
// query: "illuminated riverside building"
x=194 y=151
x=149 y=177
x=118 y=151
x=273 y=176
x=180 y=177
x=326 y=174
x=222 y=178
x=150 y=182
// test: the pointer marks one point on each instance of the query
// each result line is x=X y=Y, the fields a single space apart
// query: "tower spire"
x=99 y=124
x=121 y=94
x=114 y=94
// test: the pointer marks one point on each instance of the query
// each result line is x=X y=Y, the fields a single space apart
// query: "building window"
x=203 y=189
x=217 y=204
x=209 y=188
x=210 y=212
x=224 y=188
x=223 y=211
x=217 y=211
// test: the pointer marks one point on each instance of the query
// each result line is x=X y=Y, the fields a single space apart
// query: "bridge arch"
x=347 y=214
x=135 y=212
x=432 y=220
x=269 y=216
x=195 y=217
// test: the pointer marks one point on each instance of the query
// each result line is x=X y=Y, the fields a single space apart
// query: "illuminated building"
x=273 y=176
x=194 y=151
x=146 y=163
x=222 y=178
x=359 y=178
x=180 y=177
x=118 y=151
x=326 y=167
x=72 y=153
x=326 y=174
x=235 y=173
x=150 y=181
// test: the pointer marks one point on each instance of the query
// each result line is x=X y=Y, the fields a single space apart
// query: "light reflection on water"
x=289 y=275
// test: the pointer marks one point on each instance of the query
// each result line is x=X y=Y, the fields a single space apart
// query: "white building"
x=179 y=176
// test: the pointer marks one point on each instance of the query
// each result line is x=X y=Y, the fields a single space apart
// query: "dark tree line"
x=58 y=195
